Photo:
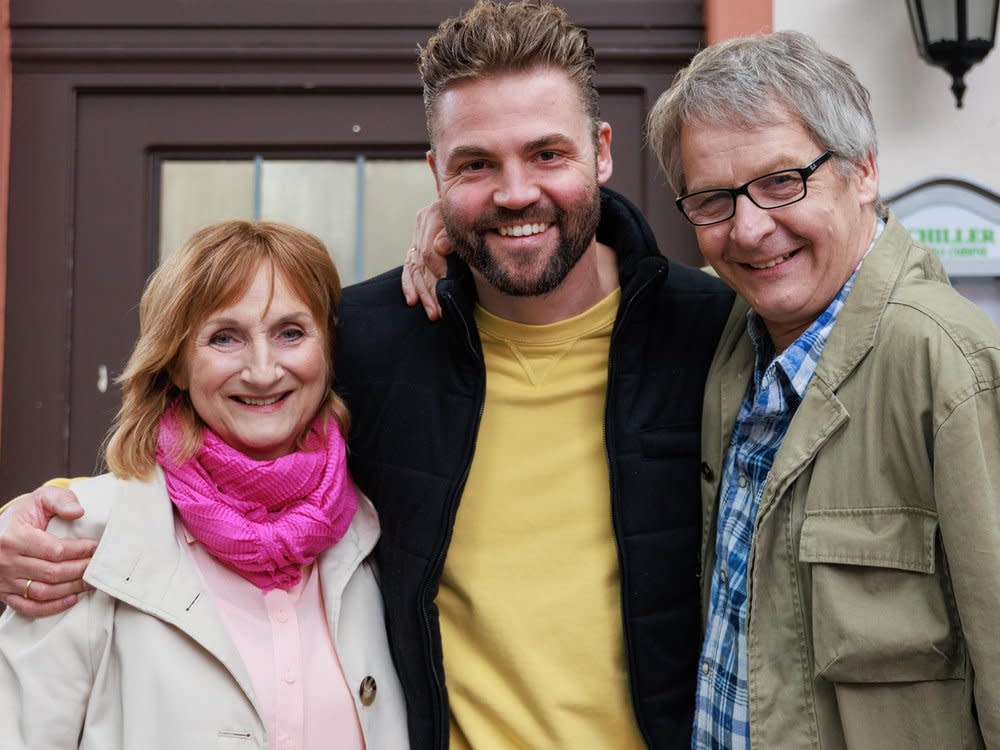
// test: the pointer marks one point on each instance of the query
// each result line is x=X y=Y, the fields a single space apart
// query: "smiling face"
x=517 y=172
x=790 y=262
x=256 y=371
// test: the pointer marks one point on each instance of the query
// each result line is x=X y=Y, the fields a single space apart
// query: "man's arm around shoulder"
x=40 y=573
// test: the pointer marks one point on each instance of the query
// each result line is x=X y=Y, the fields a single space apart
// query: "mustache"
x=531 y=215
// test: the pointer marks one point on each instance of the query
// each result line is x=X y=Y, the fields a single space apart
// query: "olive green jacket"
x=874 y=577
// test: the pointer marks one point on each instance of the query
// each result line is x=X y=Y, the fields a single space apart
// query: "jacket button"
x=706 y=472
x=367 y=691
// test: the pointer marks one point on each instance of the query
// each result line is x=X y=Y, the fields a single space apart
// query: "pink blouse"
x=286 y=645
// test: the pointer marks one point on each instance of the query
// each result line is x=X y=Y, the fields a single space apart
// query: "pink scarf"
x=262 y=519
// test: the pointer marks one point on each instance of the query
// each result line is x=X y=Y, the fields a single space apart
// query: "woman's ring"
x=27 y=589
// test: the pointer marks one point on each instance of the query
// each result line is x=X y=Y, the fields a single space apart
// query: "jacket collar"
x=338 y=563
x=624 y=229
x=854 y=335
x=821 y=413
x=140 y=561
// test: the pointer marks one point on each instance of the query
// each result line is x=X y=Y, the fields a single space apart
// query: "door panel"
x=362 y=209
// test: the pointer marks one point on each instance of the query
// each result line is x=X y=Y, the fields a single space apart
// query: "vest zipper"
x=616 y=503
x=443 y=730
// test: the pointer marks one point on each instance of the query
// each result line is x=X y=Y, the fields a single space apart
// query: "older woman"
x=234 y=605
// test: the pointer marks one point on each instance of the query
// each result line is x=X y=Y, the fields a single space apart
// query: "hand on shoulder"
x=40 y=573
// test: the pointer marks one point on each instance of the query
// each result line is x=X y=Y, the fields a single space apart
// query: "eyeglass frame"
x=804 y=173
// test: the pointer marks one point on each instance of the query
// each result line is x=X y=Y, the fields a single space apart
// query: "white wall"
x=921 y=133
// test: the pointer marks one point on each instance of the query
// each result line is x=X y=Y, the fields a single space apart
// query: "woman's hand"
x=425 y=261
x=54 y=566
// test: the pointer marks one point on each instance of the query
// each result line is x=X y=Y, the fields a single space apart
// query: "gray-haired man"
x=852 y=463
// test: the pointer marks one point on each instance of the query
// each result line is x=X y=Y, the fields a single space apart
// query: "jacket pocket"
x=880 y=610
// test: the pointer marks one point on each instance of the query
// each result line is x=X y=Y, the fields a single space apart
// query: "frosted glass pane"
x=196 y=193
x=395 y=189
x=980 y=19
x=942 y=22
x=318 y=196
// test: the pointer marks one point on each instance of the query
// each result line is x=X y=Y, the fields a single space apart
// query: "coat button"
x=367 y=691
x=706 y=472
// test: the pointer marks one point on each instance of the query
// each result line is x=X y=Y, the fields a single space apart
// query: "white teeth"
x=259 y=401
x=522 y=230
x=770 y=263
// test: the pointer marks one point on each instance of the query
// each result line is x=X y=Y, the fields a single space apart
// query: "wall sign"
x=958 y=220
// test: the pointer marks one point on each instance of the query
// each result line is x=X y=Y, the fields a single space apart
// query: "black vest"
x=416 y=391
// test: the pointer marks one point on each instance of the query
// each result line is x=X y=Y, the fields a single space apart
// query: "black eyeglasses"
x=773 y=190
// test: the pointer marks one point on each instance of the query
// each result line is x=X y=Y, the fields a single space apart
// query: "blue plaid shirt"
x=722 y=717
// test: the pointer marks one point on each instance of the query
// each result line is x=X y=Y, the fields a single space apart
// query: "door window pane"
x=395 y=190
x=318 y=196
x=196 y=193
x=363 y=209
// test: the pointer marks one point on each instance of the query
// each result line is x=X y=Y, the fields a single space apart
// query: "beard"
x=577 y=226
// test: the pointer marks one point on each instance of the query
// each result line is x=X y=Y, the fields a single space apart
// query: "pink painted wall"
x=725 y=19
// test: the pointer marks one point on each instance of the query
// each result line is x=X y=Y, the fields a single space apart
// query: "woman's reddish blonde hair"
x=213 y=269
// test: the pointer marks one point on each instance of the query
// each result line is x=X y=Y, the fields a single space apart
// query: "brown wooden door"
x=100 y=97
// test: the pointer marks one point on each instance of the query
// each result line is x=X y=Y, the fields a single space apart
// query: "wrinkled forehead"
x=754 y=116
x=774 y=134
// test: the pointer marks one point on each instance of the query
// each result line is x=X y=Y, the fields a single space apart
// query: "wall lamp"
x=954 y=35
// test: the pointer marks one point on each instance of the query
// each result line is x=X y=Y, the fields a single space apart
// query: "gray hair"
x=756 y=81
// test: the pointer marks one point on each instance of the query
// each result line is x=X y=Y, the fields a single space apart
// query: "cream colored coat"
x=874 y=574
x=145 y=661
